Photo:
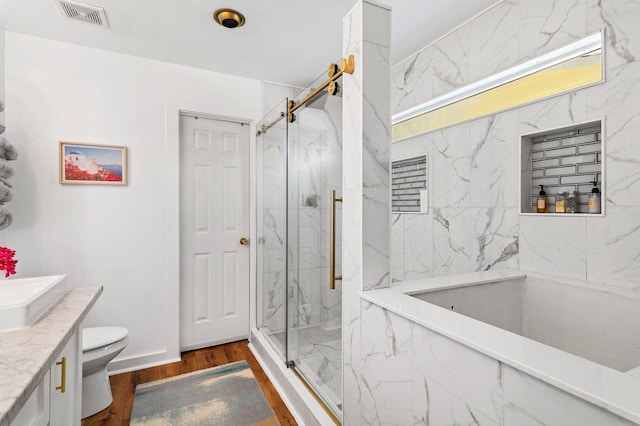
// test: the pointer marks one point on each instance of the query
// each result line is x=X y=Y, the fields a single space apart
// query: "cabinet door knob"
x=63 y=377
x=244 y=241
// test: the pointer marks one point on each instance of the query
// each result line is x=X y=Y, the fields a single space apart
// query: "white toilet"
x=99 y=346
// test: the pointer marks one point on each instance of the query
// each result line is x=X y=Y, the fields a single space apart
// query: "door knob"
x=244 y=241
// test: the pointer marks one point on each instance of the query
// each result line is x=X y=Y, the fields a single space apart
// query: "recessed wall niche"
x=566 y=162
x=409 y=185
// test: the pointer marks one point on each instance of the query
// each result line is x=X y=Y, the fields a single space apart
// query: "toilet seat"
x=97 y=337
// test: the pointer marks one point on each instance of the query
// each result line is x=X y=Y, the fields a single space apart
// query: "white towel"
x=5 y=192
x=6 y=171
x=7 y=151
x=6 y=218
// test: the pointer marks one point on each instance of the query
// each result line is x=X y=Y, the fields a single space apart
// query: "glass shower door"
x=271 y=303
x=315 y=310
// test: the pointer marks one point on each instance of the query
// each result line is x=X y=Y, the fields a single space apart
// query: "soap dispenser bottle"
x=595 y=205
x=542 y=204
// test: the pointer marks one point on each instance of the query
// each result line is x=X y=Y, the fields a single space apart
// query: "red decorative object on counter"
x=7 y=263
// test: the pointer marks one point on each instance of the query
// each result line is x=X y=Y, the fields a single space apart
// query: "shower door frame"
x=294 y=138
x=290 y=327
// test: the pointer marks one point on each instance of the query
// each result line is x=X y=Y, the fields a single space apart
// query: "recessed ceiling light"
x=229 y=18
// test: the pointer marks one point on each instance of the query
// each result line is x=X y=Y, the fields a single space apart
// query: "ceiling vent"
x=83 y=12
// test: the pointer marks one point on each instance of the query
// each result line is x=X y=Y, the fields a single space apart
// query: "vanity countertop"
x=26 y=355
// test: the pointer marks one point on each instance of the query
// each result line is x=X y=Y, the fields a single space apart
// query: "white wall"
x=124 y=238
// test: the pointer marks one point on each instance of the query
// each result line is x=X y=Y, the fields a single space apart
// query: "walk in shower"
x=299 y=165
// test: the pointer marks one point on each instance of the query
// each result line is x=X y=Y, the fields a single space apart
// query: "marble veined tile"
x=309 y=166
x=273 y=177
x=612 y=248
x=418 y=246
x=352 y=101
x=470 y=376
x=366 y=154
x=273 y=300
x=311 y=252
x=319 y=335
x=554 y=245
x=494 y=40
x=619 y=19
x=335 y=357
x=452 y=61
x=352 y=362
x=352 y=29
x=531 y=402
x=331 y=300
x=553 y=113
x=386 y=367
x=434 y=405
x=617 y=101
x=397 y=247
x=376 y=117
x=546 y=25
x=451 y=241
x=413 y=147
x=451 y=167
x=494 y=165
x=494 y=240
x=412 y=81
x=324 y=376
x=351 y=236
x=377 y=25
x=309 y=296
x=376 y=238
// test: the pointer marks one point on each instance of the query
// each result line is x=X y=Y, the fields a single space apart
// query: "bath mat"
x=225 y=395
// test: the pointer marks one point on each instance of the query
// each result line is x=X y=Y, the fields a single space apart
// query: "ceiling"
x=284 y=41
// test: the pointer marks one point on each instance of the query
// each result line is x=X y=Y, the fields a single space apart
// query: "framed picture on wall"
x=92 y=164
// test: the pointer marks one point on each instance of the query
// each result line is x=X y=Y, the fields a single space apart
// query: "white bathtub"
x=582 y=339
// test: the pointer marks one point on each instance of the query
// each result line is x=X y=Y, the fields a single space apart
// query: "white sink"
x=24 y=300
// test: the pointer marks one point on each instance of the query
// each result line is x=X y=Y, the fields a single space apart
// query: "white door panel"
x=214 y=216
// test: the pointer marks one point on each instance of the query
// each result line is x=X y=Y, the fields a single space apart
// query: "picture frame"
x=92 y=164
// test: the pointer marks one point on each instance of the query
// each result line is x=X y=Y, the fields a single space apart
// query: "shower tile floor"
x=319 y=359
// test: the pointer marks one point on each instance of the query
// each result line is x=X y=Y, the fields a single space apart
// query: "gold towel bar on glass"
x=332 y=241
x=346 y=67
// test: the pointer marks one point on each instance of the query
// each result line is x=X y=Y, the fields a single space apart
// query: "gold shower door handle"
x=332 y=241
x=244 y=241
x=63 y=376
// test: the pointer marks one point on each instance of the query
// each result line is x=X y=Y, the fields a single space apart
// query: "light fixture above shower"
x=229 y=18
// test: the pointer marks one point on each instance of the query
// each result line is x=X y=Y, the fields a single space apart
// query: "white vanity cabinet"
x=66 y=385
x=35 y=411
x=31 y=378
x=56 y=401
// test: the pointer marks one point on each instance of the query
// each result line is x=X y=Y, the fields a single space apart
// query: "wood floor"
x=123 y=385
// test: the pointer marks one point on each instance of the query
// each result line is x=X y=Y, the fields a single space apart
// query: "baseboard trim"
x=140 y=362
x=125 y=365
x=216 y=342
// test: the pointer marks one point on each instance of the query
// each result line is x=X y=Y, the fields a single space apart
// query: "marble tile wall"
x=397 y=372
x=315 y=165
x=475 y=224
x=366 y=207
x=271 y=227
x=415 y=376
